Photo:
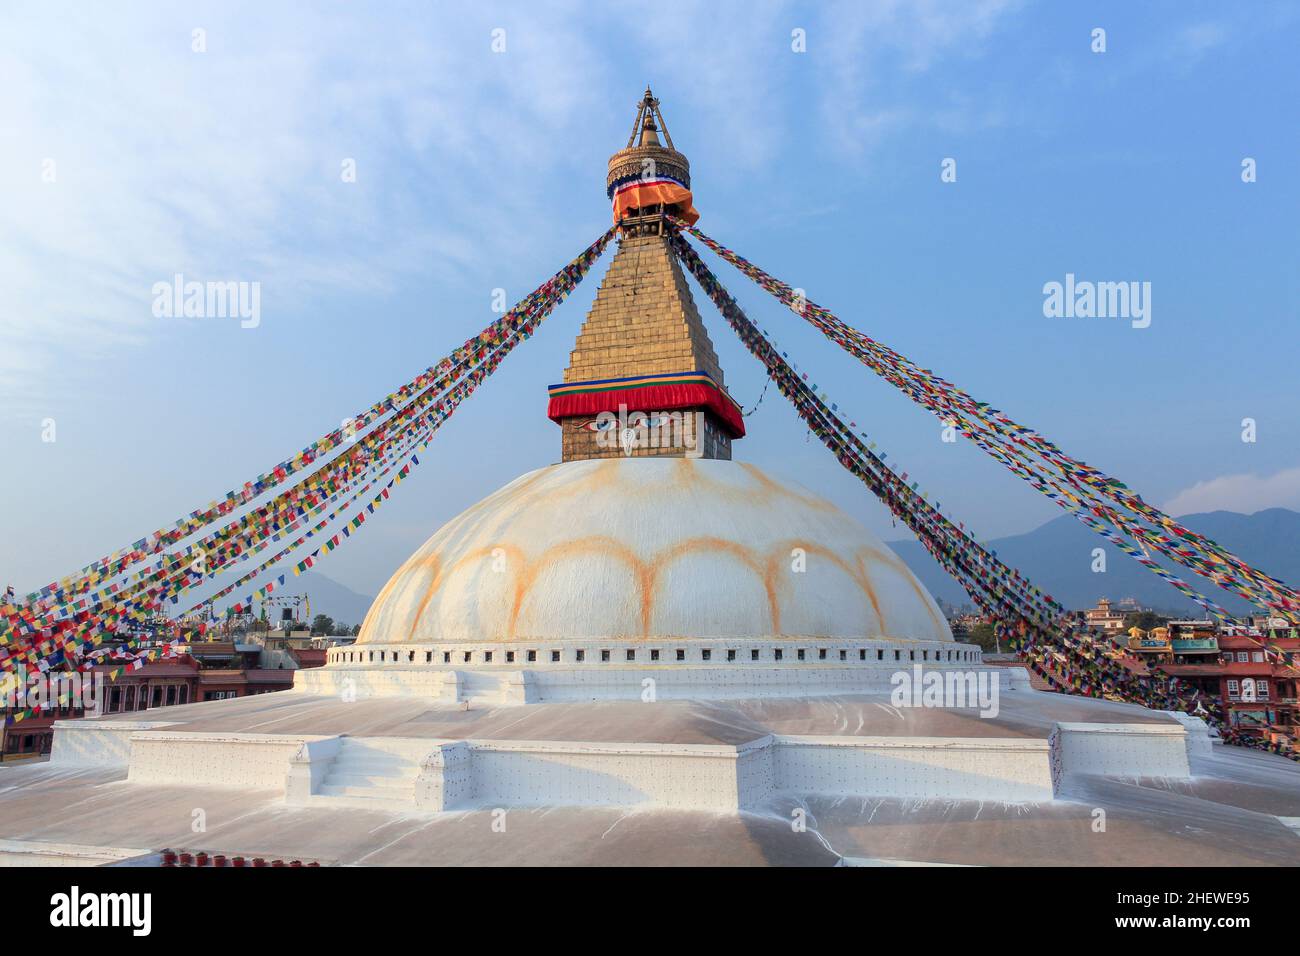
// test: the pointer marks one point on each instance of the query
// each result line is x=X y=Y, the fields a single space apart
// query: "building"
x=655 y=628
x=1258 y=694
x=1152 y=645
x=1105 y=618
x=206 y=670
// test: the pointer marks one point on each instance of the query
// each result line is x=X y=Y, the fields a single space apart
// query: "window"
x=898 y=655
x=681 y=654
x=731 y=654
x=532 y=656
x=487 y=657
x=800 y=653
x=510 y=657
x=555 y=657
x=777 y=654
x=631 y=654
x=1243 y=657
x=821 y=653
x=1261 y=690
x=862 y=653
x=844 y=655
x=654 y=655
x=1234 y=690
x=706 y=654
x=411 y=656
x=1257 y=657
x=428 y=657
x=925 y=655
x=467 y=655
x=581 y=655
x=753 y=654
x=446 y=657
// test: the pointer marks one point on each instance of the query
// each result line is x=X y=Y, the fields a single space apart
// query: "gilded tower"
x=643 y=379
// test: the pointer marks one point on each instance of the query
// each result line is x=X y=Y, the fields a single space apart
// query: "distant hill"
x=329 y=597
x=1057 y=557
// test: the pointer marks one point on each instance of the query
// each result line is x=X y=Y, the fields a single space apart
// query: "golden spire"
x=647 y=112
x=645 y=159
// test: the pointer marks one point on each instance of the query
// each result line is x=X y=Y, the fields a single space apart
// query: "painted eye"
x=658 y=421
x=602 y=424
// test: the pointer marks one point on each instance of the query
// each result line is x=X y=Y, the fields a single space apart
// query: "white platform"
x=987 y=761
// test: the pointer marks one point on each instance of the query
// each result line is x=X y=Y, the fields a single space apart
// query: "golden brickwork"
x=642 y=322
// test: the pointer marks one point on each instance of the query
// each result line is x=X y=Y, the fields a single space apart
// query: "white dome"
x=644 y=548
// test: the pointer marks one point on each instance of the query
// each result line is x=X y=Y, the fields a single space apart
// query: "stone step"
x=348 y=778
x=387 y=805
x=368 y=762
x=400 y=747
x=369 y=792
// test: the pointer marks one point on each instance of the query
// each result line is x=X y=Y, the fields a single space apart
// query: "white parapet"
x=38 y=853
x=543 y=773
x=97 y=743
x=1124 y=750
x=394 y=676
x=1010 y=770
x=308 y=768
x=255 y=761
x=446 y=778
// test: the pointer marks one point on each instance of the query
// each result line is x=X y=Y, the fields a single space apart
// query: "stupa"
x=650 y=653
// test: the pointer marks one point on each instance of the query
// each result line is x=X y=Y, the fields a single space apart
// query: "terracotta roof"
x=308 y=656
x=252 y=675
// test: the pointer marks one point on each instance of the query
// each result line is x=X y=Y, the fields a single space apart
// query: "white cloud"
x=898 y=40
x=1245 y=493
x=1197 y=39
x=225 y=164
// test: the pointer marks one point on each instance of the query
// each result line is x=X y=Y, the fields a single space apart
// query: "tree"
x=342 y=630
x=982 y=635
x=323 y=624
x=1143 y=619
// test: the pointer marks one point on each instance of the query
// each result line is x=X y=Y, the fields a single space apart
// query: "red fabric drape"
x=650 y=398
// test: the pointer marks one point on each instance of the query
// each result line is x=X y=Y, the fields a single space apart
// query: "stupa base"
x=775 y=779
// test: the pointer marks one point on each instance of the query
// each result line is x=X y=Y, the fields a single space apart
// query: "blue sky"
x=478 y=170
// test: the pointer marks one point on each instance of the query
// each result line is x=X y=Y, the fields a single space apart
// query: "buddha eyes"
x=636 y=420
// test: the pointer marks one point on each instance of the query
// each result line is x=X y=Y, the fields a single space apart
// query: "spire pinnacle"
x=649 y=123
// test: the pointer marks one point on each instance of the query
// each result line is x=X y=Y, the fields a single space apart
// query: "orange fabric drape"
x=666 y=192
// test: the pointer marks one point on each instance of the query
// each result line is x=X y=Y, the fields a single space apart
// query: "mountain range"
x=1058 y=558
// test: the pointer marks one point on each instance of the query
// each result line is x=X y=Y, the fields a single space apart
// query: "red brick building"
x=1260 y=696
x=213 y=670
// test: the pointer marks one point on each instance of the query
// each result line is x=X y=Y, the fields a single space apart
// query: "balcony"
x=1195 y=645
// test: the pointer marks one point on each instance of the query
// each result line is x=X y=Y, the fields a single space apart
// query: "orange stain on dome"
x=592 y=544
x=707 y=544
